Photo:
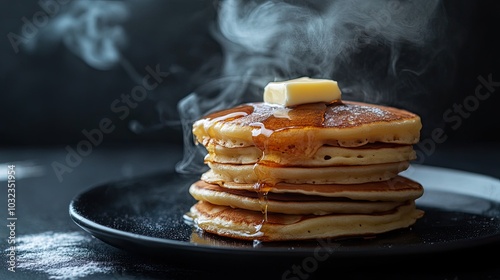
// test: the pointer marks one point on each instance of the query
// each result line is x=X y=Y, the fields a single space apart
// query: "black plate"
x=462 y=210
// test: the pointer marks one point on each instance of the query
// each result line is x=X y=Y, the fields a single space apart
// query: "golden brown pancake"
x=398 y=188
x=289 y=203
x=347 y=174
x=373 y=153
x=249 y=225
x=305 y=128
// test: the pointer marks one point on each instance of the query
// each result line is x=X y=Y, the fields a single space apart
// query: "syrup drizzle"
x=269 y=123
x=266 y=136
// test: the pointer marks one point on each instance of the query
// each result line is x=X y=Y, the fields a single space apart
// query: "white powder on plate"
x=61 y=255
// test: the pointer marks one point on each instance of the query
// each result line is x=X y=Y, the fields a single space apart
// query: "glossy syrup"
x=271 y=132
x=267 y=137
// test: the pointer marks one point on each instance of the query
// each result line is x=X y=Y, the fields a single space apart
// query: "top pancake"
x=304 y=128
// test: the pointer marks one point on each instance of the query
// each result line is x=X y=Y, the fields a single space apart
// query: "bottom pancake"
x=254 y=225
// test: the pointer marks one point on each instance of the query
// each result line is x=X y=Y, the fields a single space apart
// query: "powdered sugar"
x=61 y=255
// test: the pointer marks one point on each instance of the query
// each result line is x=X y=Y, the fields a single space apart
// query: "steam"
x=376 y=50
x=91 y=30
x=280 y=40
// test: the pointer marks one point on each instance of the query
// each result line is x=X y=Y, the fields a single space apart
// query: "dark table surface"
x=51 y=246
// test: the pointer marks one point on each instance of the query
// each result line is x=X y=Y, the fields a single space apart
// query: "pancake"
x=374 y=153
x=286 y=203
x=347 y=174
x=307 y=126
x=240 y=155
x=398 y=188
x=249 y=225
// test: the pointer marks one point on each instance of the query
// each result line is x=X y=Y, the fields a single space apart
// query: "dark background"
x=50 y=94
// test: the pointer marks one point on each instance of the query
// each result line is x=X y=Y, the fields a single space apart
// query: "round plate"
x=146 y=215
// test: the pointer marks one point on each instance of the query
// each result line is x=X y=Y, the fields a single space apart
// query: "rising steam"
x=376 y=49
x=91 y=30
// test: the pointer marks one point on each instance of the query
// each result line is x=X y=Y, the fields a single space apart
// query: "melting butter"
x=301 y=91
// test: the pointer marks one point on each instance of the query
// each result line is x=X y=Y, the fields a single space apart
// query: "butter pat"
x=301 y=91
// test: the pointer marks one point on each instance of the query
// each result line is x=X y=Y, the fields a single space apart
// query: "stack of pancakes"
x=309 y=171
